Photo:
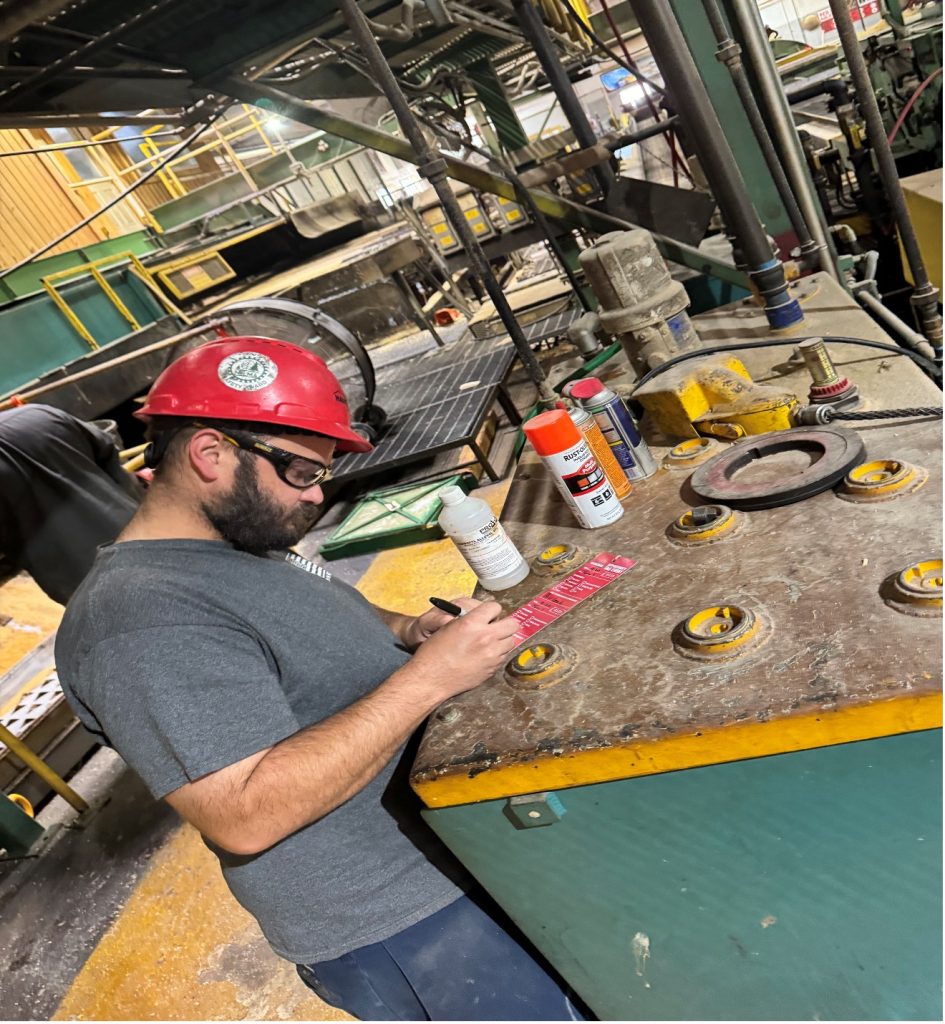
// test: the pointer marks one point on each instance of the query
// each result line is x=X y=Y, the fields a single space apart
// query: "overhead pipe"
x=779 y=119
x=535 y=32
x=401 y=33
x=925 y=295
x=434 y=168
x=836 y=88
x=765 y=270
x=729 y=54
x=16 y=17
x=912 y=338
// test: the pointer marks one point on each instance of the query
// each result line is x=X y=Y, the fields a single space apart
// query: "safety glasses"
x=296 y=471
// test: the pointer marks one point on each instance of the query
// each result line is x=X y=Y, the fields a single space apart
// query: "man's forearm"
x=396 y=622
x=329 y=762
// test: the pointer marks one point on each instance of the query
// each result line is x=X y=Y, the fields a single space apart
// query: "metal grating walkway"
x=434 y=403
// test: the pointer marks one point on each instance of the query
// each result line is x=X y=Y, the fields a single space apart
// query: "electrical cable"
x=905 y=110
x=61 y=147
x=926 y=364
x=166 y=159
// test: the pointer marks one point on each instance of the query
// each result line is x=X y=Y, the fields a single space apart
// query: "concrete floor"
x=125 y=916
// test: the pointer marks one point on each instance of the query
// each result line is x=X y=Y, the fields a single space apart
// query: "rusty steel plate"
x=827 y=660
x=778 y=468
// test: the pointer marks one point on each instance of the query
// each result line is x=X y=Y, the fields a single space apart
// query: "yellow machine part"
x=923 y=194
x=716 y=397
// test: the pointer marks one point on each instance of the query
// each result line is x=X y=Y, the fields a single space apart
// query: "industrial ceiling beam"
x=563 y=210
x=16 y=16
x=28 y=86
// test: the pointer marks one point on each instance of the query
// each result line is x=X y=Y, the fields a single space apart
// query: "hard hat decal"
x=247 y=371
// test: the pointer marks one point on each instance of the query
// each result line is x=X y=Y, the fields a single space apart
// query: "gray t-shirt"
x=188 y=656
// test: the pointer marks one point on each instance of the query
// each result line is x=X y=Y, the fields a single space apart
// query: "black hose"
x=926 y=364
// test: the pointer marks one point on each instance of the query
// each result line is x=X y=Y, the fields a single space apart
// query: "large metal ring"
x=833 y=453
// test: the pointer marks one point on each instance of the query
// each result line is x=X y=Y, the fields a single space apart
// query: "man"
x=62 y=493
x=270 y=704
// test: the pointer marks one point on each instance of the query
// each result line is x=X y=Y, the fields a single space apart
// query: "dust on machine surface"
x=639 y=305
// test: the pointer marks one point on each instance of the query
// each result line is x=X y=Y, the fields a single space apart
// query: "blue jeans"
x=457 y=964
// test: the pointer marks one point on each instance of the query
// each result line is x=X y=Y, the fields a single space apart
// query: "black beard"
x=251 y=521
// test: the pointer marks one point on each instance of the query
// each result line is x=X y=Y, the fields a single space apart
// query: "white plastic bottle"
x=481 y=539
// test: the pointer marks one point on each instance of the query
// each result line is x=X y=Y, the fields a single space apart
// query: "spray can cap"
x=586 y=388
x=451 y=495
x=552 y=432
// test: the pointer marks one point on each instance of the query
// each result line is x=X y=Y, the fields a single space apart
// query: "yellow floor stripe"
x=183 y=949
x=27 y=617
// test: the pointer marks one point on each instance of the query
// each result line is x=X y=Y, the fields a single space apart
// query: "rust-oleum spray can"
x=600 y=449
x=576 y=473
x=617 y=425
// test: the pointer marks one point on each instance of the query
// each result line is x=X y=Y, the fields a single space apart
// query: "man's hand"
x=463 y=652
x=422 y=627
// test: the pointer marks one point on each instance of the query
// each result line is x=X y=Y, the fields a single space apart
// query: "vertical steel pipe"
x=729 y=54
x=433 y=167
x=668 y=46
x=925 y=295
x=781 y=122
x=537 y=35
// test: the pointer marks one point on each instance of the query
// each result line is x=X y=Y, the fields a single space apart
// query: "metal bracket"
x=534 y=810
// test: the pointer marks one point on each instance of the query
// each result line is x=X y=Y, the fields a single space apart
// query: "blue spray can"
x=617 y=425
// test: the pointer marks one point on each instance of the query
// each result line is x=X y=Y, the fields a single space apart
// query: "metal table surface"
x=833 y=662
x=750 y=839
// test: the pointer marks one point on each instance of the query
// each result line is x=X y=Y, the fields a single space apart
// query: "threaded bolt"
x=818 y=361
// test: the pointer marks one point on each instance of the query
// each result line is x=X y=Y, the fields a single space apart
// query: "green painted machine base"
x=19 y=833
x=803 y=886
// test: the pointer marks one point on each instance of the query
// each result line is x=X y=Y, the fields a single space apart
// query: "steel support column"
x=728 y=53
x=669 y=47
x=434 y=168
x=535 y=32
x=925 y=295
x=746 y=19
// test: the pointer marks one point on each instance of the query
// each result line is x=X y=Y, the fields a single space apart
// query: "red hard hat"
x=259 y=380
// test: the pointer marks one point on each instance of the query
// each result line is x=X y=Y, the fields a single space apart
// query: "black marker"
x=447 y=606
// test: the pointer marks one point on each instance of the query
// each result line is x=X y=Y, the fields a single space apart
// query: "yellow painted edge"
x=736 y=742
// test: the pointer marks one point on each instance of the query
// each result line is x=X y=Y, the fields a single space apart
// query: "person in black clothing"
x=62 y=493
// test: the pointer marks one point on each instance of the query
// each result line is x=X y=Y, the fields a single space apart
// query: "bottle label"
x=488 y=550
x=583 y=485
x=622 y=434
